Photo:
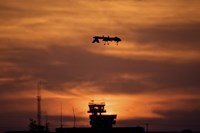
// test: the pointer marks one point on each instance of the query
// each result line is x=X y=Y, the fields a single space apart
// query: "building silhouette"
x=100 y=123
x=97 y=120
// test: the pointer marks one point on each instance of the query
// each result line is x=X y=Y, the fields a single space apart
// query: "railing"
x=96 y=102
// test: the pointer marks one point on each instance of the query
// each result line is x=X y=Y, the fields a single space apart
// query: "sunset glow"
x=152 y=76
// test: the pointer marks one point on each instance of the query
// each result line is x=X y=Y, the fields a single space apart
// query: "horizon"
x=151 y=76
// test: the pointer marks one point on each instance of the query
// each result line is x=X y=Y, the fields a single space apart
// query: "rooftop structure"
x=100 y=123
x=97 y=120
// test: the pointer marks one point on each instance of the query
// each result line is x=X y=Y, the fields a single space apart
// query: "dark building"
x=97 y=120
x=111 y=130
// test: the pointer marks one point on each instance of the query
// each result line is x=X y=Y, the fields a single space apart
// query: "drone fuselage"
x=106 y=39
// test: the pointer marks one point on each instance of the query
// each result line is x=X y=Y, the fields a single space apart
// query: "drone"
x=106 y=39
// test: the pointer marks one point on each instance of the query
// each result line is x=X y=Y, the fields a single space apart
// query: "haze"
x=152 y=76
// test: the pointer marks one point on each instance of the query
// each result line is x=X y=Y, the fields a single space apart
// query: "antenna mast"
x=74 y=117
x=61 y=117
x=39 y=104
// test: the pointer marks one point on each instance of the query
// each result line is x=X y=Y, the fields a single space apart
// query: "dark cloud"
x=58 y=65
x=163 y=76
x=185 y=117
x=174 y=120
x=181 y=36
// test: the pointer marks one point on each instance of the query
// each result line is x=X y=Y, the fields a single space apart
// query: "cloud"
x=178 y=118
x=176 y=36
x=173 y=121
x=59 y=65
x=50 y=41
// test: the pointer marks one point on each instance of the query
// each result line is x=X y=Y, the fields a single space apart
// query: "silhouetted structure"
x=39 y=126
x=97 y=120
x=101 y=123
x=36 y=126
x=92 y=130
x=187 y=131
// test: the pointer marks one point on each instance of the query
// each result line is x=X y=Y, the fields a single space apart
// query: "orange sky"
x=151 y=77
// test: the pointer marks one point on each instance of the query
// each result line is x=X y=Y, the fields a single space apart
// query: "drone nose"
x=118 y=39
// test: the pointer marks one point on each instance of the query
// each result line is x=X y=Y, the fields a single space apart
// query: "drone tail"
x=95 y=40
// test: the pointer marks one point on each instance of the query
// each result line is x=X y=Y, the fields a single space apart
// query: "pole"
x=39 y=104
x=61 y=117
x=74 y=117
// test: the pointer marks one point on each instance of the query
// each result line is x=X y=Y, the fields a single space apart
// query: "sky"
x=152 y=76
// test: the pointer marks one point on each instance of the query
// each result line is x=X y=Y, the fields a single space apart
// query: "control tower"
x=97 y=120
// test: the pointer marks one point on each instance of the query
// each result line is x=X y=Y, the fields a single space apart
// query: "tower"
x=97 y=120
x=40 y=127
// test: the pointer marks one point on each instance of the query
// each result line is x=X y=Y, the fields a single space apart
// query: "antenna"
x=47 y=123
x=61 y=117
x=39 y=103
x=74 y=117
